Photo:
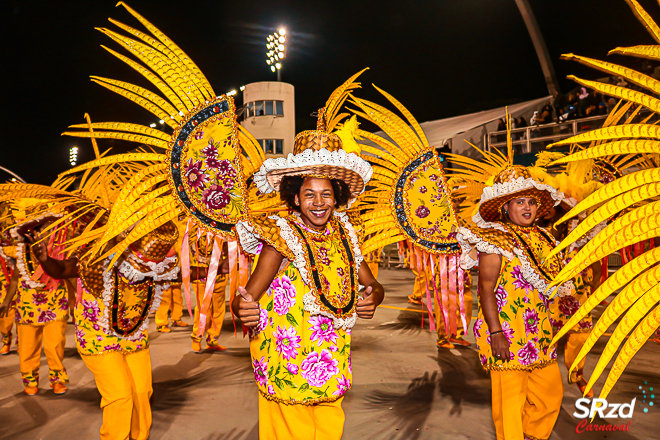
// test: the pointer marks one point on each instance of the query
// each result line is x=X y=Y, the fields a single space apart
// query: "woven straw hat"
x=512 y=183
x=316 y=153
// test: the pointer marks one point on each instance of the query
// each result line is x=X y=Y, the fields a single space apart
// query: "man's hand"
x=4 y=309
x=248 y=309
x=38 y=247
x=366 y=307
x=500 y=347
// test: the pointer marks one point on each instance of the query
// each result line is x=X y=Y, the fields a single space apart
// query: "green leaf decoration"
x=291 y=319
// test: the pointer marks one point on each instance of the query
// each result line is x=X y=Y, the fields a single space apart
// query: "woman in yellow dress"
x=111 y=323
x=513 y=329
x=302 y=300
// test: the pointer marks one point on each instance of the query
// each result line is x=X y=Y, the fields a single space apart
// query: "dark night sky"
x=439 y=58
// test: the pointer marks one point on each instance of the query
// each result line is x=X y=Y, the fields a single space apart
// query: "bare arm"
x=246 y=305
x=58 y=269
x=12 y=290
x=489 y=273
x=373 y=294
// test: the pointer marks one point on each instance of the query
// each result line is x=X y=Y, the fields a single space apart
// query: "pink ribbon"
x=421 y=263
x=461 y=291
x=443 y=298
x=452 y=295
x=79 y=292
x=210 y=283
x=185 y=268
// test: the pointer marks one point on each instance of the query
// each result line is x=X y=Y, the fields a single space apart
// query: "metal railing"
x=534 y=138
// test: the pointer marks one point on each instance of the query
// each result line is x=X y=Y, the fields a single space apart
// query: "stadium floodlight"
x=276 y=51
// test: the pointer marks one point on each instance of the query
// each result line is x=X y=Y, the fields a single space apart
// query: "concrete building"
x=270 y=115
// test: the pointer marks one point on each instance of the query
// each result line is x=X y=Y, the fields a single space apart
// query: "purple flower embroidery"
x=99 y=338
x=215 y=197
x=519 y=281
x=90 y=310
x=46 y=316
x=39 y=298
x=323 y=256
x=568 y=305
x=271 y=390
x=319 y=367
x=340 y=271
x=501 y=297
x=260 y=368
x=585 y=324
x=477 y=328
x=80 y=335
x=422 y=189
x=112 y=347
x=195 y=177
x=322 y=330
x=553 y=353
x=212 y=162
x=350 y=366
x=292 y=368
x=433 y=177
x=531 y=319
x=225 y=168
x=483 y=359
x=422 y=211
x=528 y=354
x=210 y=151
x=284 y=294
x=199 y=135
x=96 y=327
x=343 y=384
x=64 y=303
x=287 y=342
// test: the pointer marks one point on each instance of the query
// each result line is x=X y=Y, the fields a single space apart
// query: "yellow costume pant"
x=574 y=344
x=124 y=381
x=30 y=340
x=216 y=313
x=526 y=402
x=6 y=324
x=278 y=421
x=439 y=321
x=419 y=289
x=172 y=300
x=373 y=267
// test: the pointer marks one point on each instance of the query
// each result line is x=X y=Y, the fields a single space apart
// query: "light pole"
x=275 y=44
x=539 y=46
x=73 y=156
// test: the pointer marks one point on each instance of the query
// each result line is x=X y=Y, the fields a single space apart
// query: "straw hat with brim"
x=512 y=183
x=318 y=154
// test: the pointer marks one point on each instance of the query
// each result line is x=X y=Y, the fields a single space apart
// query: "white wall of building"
x=272 y=126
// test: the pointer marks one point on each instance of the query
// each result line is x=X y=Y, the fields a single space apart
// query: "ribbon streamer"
x=210 y=283
x=185 y=268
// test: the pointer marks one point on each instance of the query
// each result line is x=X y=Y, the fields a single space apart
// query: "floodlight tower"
x=73 y=156
x=275 y=44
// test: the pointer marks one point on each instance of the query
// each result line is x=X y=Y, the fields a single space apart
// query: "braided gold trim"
x=122 y=351
x=307 y=402
x=505 y=367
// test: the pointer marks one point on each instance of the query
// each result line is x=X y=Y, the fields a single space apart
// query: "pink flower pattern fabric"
x=298 y=357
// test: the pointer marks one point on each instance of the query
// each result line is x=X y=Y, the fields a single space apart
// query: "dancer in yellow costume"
x=302 y=300
x=513 y=328
x=111 y=324
x=41 y=317
x=6 y=277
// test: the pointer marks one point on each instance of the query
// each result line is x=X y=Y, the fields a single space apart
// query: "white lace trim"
x=519 y=184
x=468 y=240
x=157 y=271
x=132 y=274
x=309 y=157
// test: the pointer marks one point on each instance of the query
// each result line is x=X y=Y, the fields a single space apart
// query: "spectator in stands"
x=546 y=114
x=519 y=123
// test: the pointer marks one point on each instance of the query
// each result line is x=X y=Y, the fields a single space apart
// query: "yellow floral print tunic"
x=521 y=294
x=39 y=307
x=135 y=293
x=301 y=349
x=562 y=309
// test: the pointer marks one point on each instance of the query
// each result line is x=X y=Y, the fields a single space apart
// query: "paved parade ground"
x=404 y=388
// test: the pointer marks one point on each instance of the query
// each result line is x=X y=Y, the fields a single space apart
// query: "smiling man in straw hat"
x=302 y=300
